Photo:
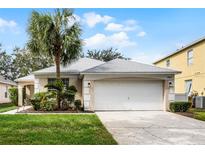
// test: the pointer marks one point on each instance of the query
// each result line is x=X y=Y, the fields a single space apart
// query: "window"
x=188 y=86
x=6 y=93
x=168 y=63
x=65 y=81
x=190 y=57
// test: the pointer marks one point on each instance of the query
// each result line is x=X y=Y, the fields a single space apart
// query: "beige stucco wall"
x=40 y=83
x=3 y=89
x=194 y=72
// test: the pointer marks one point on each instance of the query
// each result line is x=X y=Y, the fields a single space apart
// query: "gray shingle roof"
x=28 y=78
x=7 y=81
x=127 y=66
x=73 y=68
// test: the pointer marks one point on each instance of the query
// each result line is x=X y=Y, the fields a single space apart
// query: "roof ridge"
x=116 y=63
x=154 y=66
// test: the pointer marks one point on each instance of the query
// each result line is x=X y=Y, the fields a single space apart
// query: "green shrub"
x=13 y=95
x=45 y=101
x=179 y=106
x=48 y=102
x=36 y=100
x=77 y=104
x=72 y=88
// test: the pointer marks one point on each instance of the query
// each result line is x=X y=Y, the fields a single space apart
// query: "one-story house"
x=114 y=85
x=5 y=84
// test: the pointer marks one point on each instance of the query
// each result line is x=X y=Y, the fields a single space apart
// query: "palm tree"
x=57 y=35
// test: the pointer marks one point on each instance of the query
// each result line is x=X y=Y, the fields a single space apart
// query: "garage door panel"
x=128 y=95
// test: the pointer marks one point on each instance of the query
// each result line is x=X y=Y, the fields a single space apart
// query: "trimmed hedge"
x=179 y=106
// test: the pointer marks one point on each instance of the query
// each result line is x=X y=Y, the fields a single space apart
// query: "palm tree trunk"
x=57 y=61
x=58 y=77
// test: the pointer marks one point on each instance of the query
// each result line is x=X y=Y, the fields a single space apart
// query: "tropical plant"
x=13 y=95
x=66 y=94
x=45 y=101
x=36 y=100
x=105 y=54
x=56 y=35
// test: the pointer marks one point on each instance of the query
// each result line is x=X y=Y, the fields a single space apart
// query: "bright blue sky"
x=141 y=34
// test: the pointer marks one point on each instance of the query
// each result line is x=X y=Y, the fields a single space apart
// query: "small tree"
x=13 y=95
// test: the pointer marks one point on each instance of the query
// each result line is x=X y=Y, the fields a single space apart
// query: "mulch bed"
x=187 y=114
x=31 y=110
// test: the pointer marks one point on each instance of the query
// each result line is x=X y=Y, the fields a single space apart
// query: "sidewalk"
x=17 y=110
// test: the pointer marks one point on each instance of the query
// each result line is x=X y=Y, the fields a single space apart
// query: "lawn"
x=194 y=113
x=53 y=129
x=198 y=114
x=7 y=107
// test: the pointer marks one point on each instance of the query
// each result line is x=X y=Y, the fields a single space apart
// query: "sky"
x=144 y=35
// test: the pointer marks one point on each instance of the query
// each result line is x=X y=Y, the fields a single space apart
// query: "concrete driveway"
x=153 y=127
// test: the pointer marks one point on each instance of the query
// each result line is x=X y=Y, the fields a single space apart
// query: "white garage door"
x=128 y=95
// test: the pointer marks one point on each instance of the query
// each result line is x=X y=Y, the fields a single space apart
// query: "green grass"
x=198 y=113
x=7 y=107
x=53 y=130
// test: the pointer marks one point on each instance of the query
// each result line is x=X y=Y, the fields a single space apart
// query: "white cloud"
x=91 y=19
x=114 y=27
x=117 y=40
x=8 y=24
x=129 y=25
x=141 y=34
x=130 y=22
x=145 y=57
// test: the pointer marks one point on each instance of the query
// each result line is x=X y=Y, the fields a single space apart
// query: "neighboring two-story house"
x=190 y=60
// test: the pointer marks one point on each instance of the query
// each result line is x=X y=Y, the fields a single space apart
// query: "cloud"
x=8 y=25
x=91 y=19
x=128 y=25
x=114 y=27
x=117 y=40
x=130 y=22
x=141 y=34
x=145 y=57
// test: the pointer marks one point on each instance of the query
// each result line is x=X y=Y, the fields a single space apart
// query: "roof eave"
x=177 y=72
x=13 y=84
x=53 y=73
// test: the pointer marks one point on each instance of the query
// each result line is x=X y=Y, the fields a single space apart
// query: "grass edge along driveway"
x=199 y=114
x=83 y=129
x=7 y=107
